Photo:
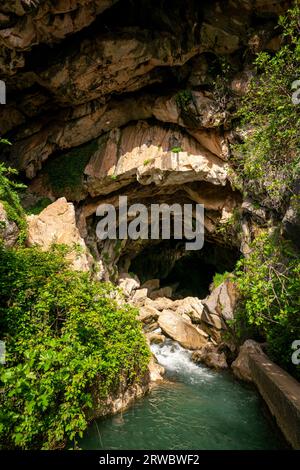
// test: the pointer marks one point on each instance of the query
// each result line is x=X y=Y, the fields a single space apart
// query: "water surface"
x=198 y=409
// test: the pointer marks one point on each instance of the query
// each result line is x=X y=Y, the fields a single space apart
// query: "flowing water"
x=197 y=409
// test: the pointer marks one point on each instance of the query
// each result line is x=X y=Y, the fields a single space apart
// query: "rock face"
x=9 y=231
x=57 y=225
x=241 y=366
x=211 y=357
x=180 y=330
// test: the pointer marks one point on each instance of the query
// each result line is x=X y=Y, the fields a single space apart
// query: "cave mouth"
x=189 y=273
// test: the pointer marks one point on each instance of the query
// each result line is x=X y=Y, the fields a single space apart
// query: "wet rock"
x=211 y=357
x=163 y=292
x=155 y=338
x=156 y=370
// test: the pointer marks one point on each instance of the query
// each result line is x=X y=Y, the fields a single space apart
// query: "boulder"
x=174 y=326
x=160 y=303
x=221 y=302
x=240 y=366
x=9 y=230
x=128 y=283
x=156 y=370
x=211 y=357
x=155 y=338
x=163 y=292
x=151 y=285
x=139 y=297
x=148 y=314
x=57 y=225
x=191 y=306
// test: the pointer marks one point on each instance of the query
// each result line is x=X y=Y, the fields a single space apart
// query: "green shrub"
x=268 y=163
x=10 y=199
x=219 y=278
x=65 y=336
x=269 y=283
x=40 y=205
x=65 y=172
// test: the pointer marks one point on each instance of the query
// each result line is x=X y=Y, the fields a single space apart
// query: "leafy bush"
x=10 y=199
x=66 y=336
x=269 y=282
x=268 y=163
x=219 y=278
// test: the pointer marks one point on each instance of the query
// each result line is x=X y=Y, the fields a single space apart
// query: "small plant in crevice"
x=176 y=149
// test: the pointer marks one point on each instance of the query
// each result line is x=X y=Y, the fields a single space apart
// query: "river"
x=196 y=409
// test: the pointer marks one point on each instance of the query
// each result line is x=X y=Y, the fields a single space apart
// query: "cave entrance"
x=189 y=273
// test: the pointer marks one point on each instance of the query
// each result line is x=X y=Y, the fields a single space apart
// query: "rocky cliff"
x=108 y=98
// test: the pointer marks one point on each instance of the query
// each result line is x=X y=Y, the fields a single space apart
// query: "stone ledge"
x=281 y=392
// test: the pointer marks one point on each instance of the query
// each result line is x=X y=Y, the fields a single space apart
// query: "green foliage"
x=148 y=161
x=69 y=344
x=65 y=172
x=10 y=199
x=267 y=164
x=176 y=149
x=40 y=205
x=269 y=283
x=219 y=278
x=183 y=99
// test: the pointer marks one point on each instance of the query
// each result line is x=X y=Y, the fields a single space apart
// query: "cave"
x=189 y=273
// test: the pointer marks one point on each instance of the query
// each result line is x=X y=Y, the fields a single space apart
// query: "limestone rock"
x=57 y=225
x=222 y=301
x=211 y=357
x=128 y=283
x=156 y=370
x=160 y=304
x=241 y=366
x=9 y=230
x=139 y=297
x=148 y=314
x=151 y=285
x=163 y=292
x=191 y=306
x=180 y=330
x=155 y=338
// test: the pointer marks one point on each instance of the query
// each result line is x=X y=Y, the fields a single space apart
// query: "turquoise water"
x=197 y=409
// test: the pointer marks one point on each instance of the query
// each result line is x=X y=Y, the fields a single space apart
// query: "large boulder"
x=174 y=326
x=191 y=306
x=57 y=225
x=221 y=302
x=9 y=231
x=240 y=366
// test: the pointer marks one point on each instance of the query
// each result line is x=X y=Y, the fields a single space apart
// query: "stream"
x=197 y=408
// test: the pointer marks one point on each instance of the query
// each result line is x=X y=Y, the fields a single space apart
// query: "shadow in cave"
x=189 y=273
